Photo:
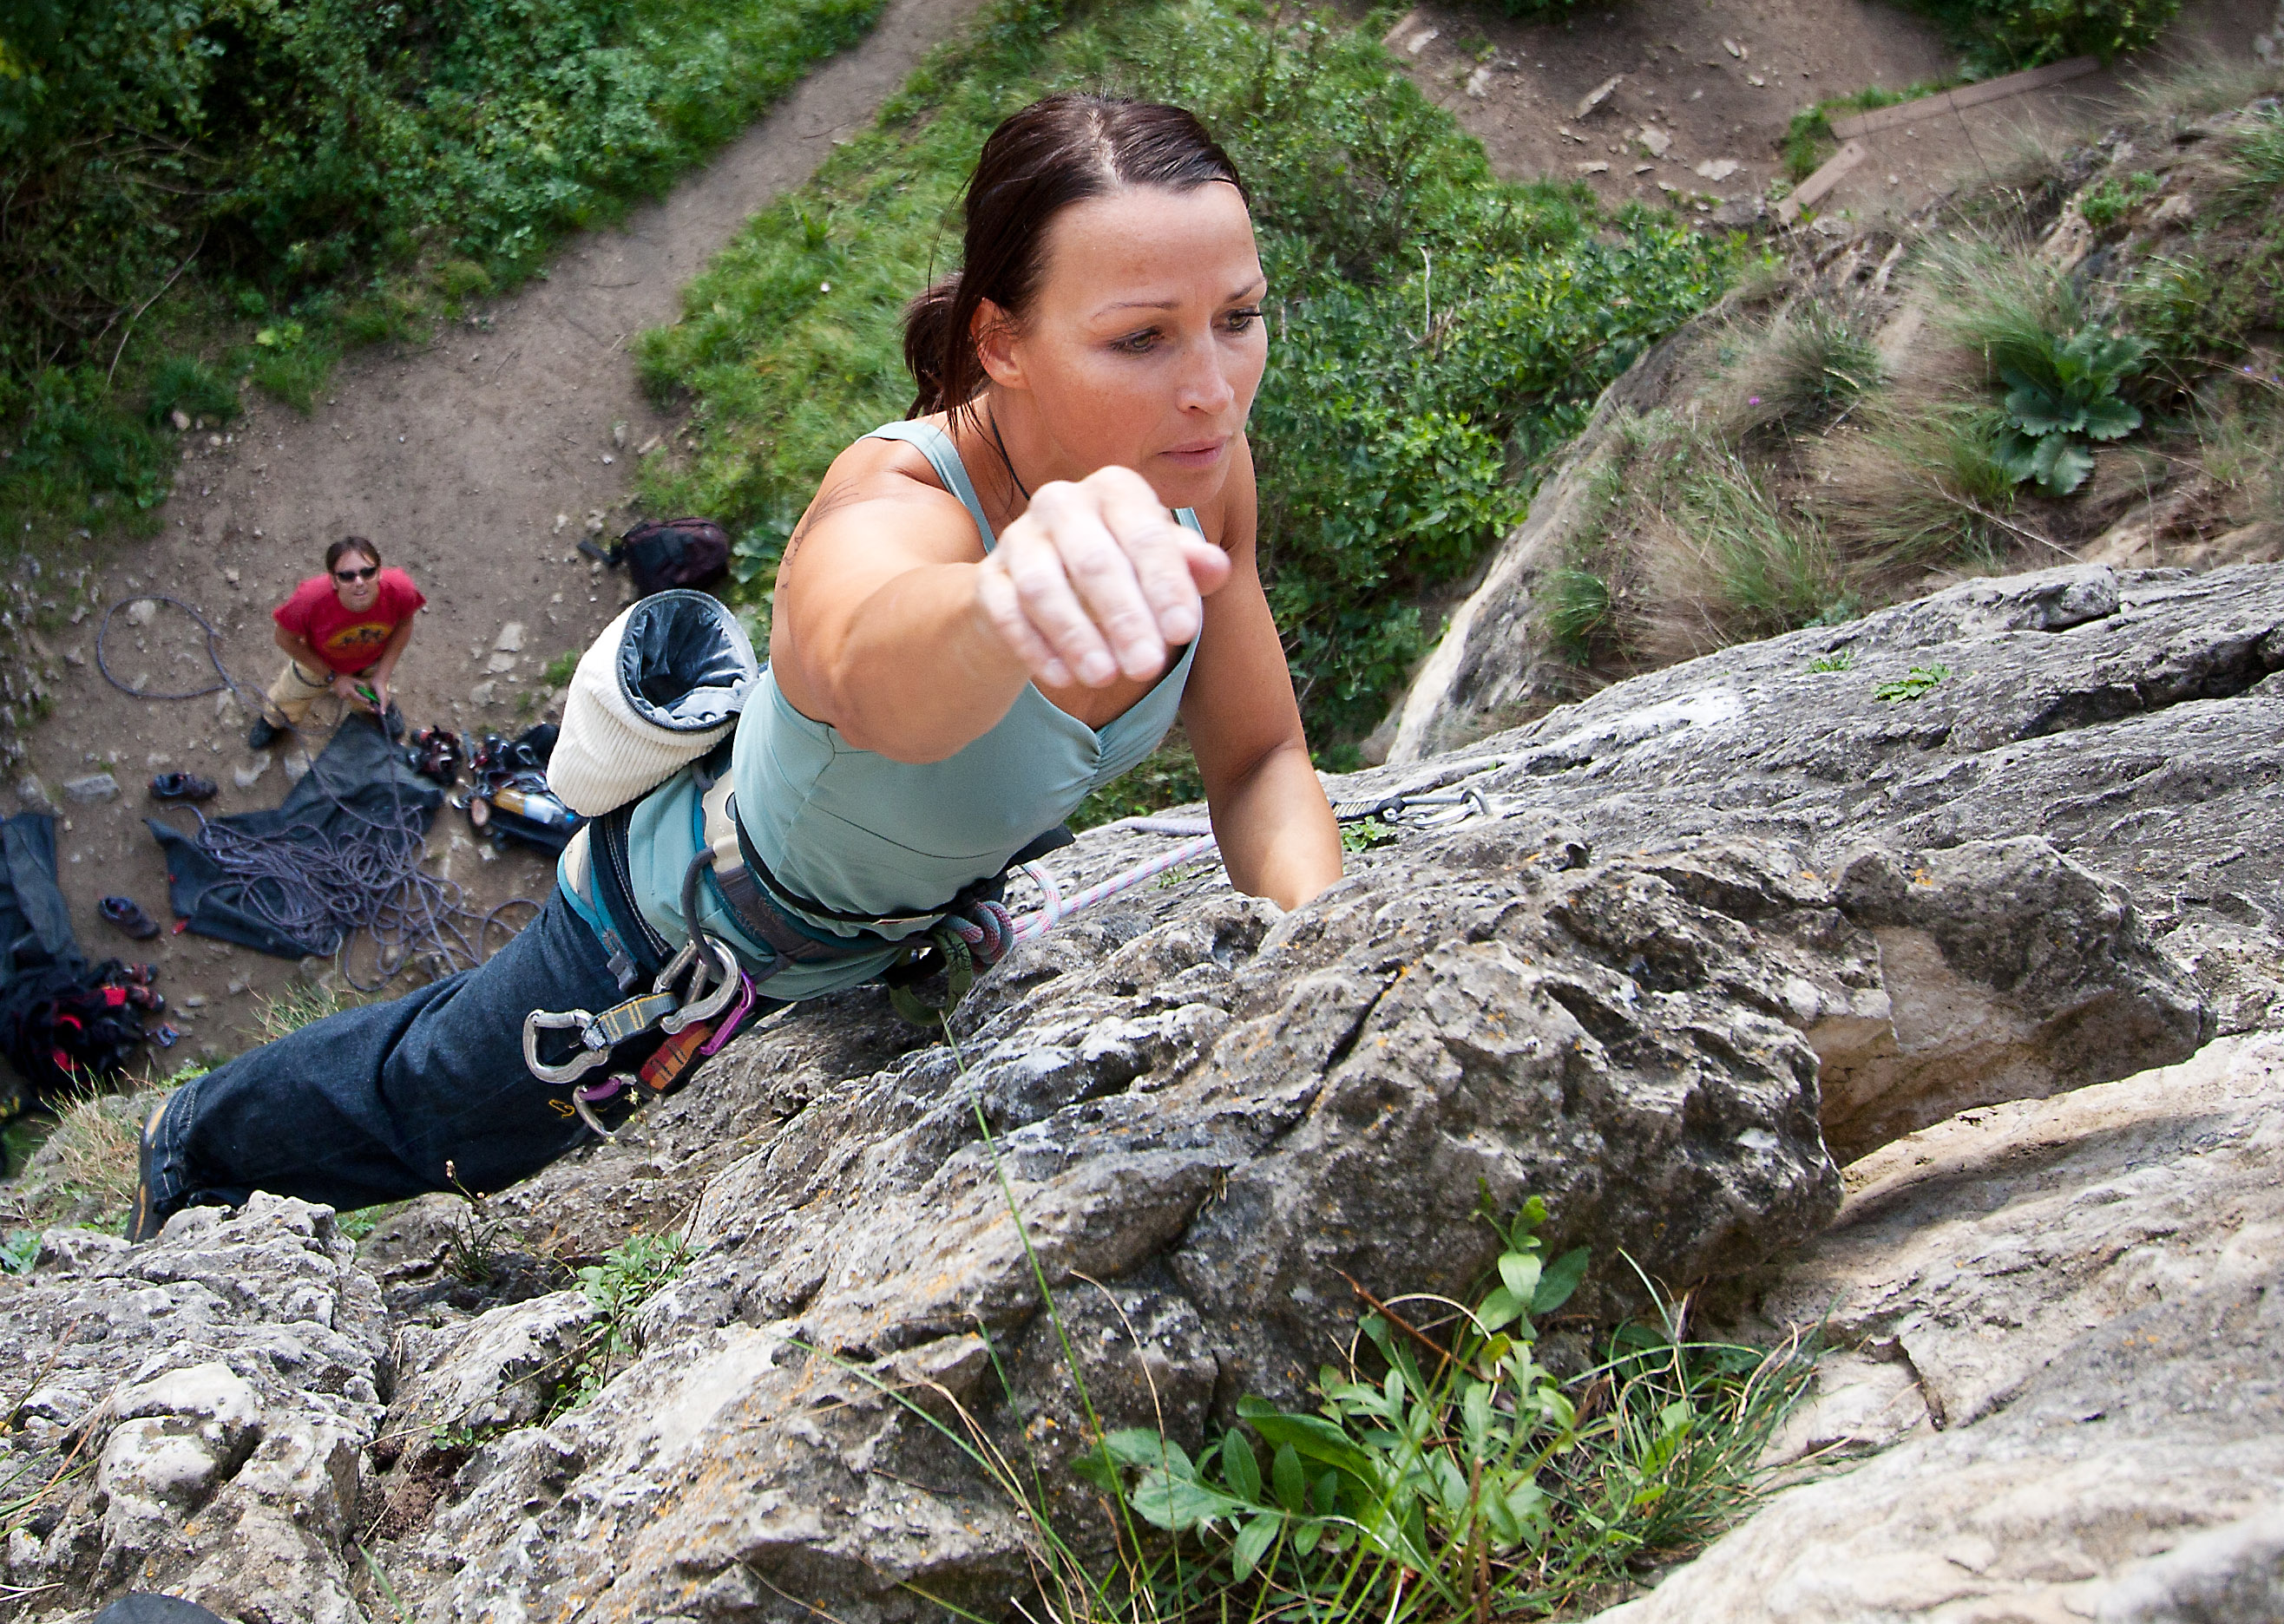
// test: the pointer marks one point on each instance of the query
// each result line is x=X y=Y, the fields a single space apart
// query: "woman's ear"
x=998 y=345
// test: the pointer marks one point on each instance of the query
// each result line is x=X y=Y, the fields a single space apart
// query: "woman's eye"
x=1136 y=344
x=1240 y=320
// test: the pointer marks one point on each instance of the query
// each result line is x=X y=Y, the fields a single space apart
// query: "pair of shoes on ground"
x=127 y=916
x=182 y=786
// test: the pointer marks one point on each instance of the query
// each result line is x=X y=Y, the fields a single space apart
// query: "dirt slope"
x=456 y=459
x=1705 y=92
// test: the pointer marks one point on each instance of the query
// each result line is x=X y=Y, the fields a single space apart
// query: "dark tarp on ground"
x=359 y=777
x=34 y=925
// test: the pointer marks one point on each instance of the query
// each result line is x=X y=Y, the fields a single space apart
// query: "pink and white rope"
x=1057 y=907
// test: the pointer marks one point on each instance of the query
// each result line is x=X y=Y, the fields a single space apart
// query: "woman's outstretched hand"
x=1097 y=581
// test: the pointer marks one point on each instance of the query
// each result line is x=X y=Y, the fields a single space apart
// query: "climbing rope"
x=323 y=890
x=988 y=946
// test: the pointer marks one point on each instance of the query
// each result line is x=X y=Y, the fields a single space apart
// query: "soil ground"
x=1715 y=86
x=478 y=460
x=474 y=462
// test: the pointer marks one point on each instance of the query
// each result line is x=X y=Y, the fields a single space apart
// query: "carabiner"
x=579 y=1064
x=702 y=1005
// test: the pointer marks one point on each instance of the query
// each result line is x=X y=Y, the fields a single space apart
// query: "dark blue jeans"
x=370 y=1104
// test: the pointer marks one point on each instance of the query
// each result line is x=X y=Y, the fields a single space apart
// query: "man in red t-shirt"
x=343 y=628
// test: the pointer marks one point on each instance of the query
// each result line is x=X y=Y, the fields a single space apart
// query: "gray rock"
x=33 y=794
x=202 y=1403
x=2080 y=1292
x=94 y=787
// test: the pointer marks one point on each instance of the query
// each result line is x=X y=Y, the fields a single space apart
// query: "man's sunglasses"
x=366 y=574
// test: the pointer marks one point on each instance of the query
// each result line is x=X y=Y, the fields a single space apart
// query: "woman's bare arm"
x=890 y=627
x=1278 y=836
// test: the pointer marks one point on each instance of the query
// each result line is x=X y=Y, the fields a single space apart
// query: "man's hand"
x=345 y=687
x=1097 y=581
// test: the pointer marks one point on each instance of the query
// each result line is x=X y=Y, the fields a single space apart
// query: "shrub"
x=299 y=149
x=1432 y=328
x=2001 y=35
x=2107 y=204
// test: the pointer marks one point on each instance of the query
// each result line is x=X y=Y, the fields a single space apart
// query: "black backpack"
x=659 y=553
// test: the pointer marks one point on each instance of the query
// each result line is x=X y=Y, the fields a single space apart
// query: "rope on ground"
x=323 y=890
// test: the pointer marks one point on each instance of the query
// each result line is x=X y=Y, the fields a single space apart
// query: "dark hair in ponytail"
x=1054 y=153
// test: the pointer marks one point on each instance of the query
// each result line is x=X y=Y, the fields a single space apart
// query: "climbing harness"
x=972 y=931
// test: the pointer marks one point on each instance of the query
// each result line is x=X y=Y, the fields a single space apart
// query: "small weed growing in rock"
x=557 y=674
x=1364 y=836
x=2114 y=199
x=629 y=1275
x=472 y=1251
x=1464 y=1477
x=1912 y=684
x=19 y=1249
x=1844 y=660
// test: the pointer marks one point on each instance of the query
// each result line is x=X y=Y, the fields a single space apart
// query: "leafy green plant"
x=1844 y=660
x=2106 y=204
x=1465 y=1478
x=1911 y=685
x=2061 y=394
x=19 y=1249
x=630 y=1274
x=179 y=173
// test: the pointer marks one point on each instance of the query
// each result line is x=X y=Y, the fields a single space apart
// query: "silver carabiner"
x=703 y=1005
x=561 y=1021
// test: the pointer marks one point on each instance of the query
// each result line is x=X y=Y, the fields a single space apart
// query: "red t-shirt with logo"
x=344 y=640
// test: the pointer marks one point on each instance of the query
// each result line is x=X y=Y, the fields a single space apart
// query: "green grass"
x=1432 y=329
x=1808 y=139
x=1806 y=366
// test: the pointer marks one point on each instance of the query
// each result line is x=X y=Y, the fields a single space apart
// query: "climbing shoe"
x=182 y=786
x=261 y=735
x=123 y=912
x=144 y=1219
x=392 y=722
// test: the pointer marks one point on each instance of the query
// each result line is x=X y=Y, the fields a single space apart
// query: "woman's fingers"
x=1096 y=580
x=1157 y=551
x=1005 y=605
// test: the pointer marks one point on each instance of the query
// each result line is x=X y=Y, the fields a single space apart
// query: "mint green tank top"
x=861 y=833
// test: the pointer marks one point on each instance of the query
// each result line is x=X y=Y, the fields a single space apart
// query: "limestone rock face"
x=1665 y=958
x=2075 y=1297
x=202 y=1405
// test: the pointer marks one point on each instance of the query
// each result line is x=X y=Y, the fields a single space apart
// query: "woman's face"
x=1144 y=345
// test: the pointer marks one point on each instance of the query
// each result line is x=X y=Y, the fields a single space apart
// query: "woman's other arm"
x=1277 y=832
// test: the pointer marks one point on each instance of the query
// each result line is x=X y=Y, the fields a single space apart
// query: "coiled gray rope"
x=322 y=889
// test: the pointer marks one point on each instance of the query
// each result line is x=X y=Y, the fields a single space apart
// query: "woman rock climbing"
x=988 y=611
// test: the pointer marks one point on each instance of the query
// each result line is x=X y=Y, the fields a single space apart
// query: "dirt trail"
x=457 y=459
x=1704 y=94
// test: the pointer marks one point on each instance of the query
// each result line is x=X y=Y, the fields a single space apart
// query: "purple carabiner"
x=735 y=1018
